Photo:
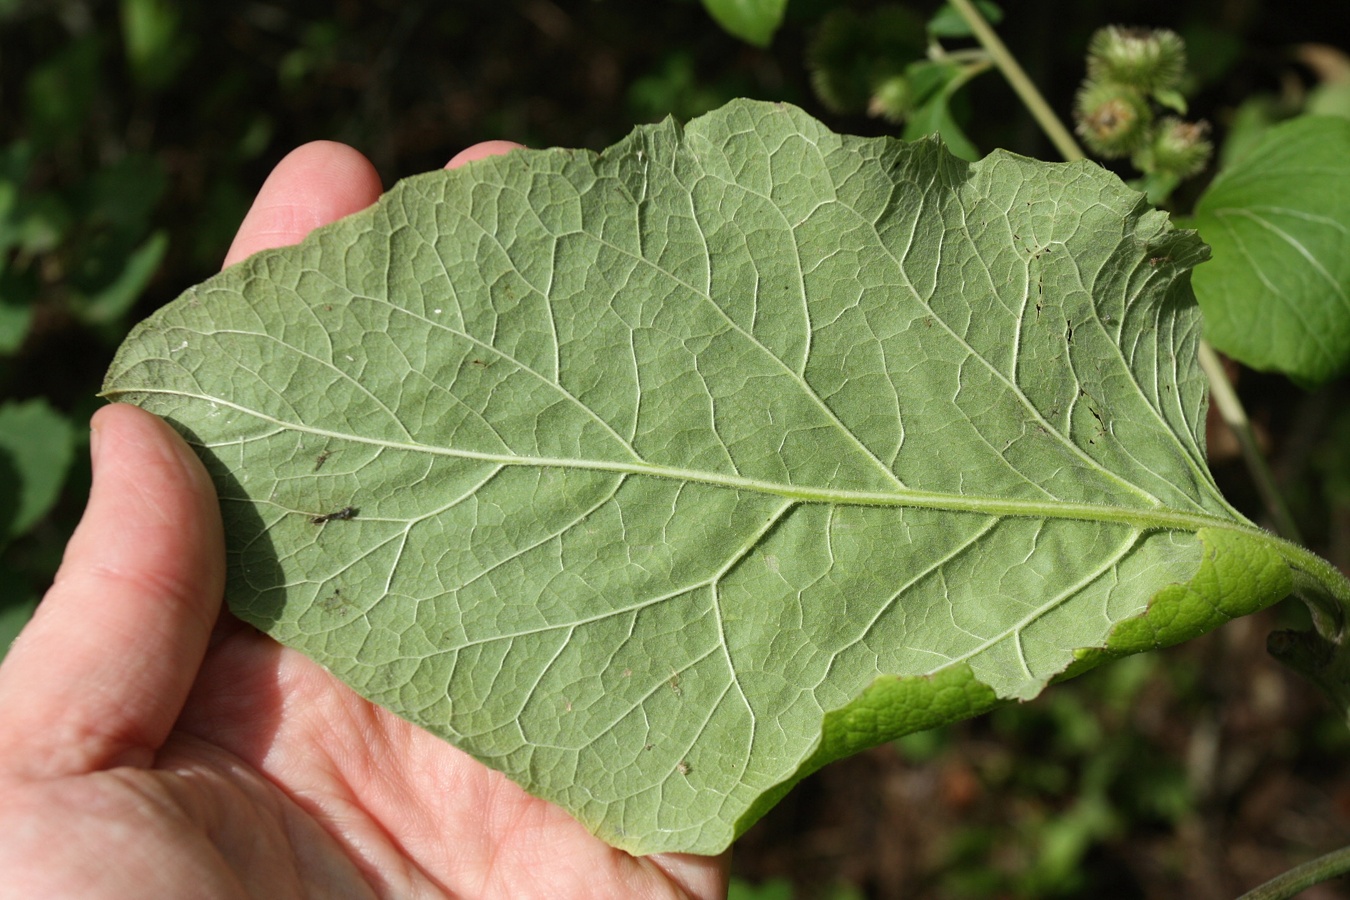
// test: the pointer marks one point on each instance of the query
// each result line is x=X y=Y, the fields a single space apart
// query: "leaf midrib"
x=1160 y=518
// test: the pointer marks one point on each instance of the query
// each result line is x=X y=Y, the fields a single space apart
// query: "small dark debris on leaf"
x=321 y=459
x=334 y=601
x=347 y=512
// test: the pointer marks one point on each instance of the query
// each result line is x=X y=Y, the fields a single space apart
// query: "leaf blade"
x=1277 y=292
x=753 y=21
x=665 y=456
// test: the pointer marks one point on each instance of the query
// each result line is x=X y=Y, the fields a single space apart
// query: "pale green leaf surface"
x=683 y=469
x=1277 y=293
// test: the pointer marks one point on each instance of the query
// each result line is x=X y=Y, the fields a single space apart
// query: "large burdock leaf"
x=659 y=478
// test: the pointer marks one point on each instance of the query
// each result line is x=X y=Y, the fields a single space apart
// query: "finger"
x=99 y=676
x=313 y=185
x=481 y=151
x=698 y=876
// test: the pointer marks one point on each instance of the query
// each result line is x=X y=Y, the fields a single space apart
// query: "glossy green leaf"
x=659 y=478
x=1277 y=293
x=753 y=21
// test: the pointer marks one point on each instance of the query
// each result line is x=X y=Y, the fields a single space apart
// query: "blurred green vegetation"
x=133 y=135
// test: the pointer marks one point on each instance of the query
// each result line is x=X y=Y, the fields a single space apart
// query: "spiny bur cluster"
x=858 y=60
x=1133 y=74
x=1151 y=60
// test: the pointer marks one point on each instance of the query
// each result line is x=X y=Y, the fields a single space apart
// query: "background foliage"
x=133 y=135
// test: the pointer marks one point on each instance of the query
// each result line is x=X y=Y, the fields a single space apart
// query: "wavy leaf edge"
x=1238 y=568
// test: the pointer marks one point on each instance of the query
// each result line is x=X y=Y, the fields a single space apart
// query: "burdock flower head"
x=1176 y=147
x=1150 y=60
x=1113 y=119
x=1133 y=74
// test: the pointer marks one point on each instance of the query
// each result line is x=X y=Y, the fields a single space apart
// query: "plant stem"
x=1299 y=878
x=1225 y=398
x=1235 y=417
x=1017 y=77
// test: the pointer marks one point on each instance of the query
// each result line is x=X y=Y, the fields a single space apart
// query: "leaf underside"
x=669 y=474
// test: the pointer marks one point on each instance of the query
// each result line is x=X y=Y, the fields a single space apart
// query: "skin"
x=151 y=745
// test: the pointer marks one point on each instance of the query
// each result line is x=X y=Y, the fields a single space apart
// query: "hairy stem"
x=1299 y=878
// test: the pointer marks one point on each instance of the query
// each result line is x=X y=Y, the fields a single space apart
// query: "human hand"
x=152 y=745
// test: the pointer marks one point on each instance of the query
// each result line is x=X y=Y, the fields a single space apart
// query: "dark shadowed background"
x=134 y=134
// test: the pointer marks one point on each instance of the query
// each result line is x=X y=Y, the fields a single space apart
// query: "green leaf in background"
x=934 y=84
x=60 y=91
x=15 y=319
x=852 y=56
x=13 y=616
x=947 y=22
x=1276 y=295
x=781 y=889
x=1330 y=99
x=753 y=21
x=17 y=604
x=156 y=47
x=777 y=889
x=108 y=303
x=661 y=477
x=16 y=290
x=37 y=445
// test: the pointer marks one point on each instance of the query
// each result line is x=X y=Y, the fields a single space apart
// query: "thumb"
x=99 y=676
